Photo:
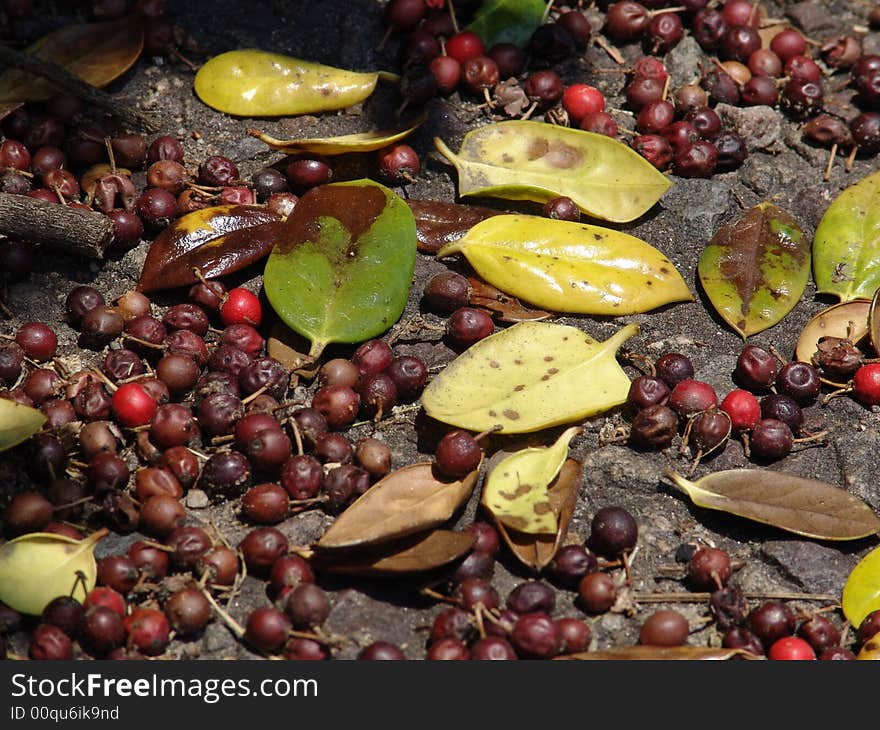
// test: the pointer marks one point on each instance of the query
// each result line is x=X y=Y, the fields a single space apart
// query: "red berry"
x=241 y=307
x=37 y=340
x=148 y=631
x=132 y=405
x=465 y=45
x=692 y=396
x=743 y=409
x=791 y=648
x=866 y=384
x=582 y=99
x=106 y=598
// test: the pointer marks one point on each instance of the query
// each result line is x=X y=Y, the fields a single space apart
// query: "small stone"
x=812 y=17
x=815 y=568
x=759 y=126
x=197 y=499
x=683 y=62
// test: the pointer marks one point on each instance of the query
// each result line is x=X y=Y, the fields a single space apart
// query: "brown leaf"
x=407 y=501
x=850 y=320
x=439 y=223
x=536 y=551
x=218 y=240
x=803 y=506
x=661 y=653
x=414 y=554
x=7 y=108
x=291 y=350
x=98 y=53
x=503 y=306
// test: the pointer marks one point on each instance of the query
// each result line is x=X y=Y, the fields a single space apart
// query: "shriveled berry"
x=531 y=596
x=654 y=427
x=800 y=381
x=729 y=607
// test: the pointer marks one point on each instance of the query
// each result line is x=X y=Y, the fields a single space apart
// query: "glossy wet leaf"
x=755 y=270
x=415 y=554
x=508 y=21
x=342 y=267
x=570 y=267
x=254 y=83
x=97 y=53
x=661 y=653
x=536 y=551
x=39 y=566
x=439 y=223
x=516 y=490
x=407 y=501
x=530 y=376
x=847 y=320
x=861 y=592
x=524 y=160
x=803 y=506
x=343 y=144
x=218 y=241
x=17 y=423
x=846 y=247
x=502 y=306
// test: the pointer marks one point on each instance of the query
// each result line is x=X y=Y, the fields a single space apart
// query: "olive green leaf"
x=531 y=376
x=516 y=490
x=803 y=506
x=343 y=263
x=254 y=83
x=570 y=267
x=414 y=554
x=754 y=271
x=535 y=551
x=17 y=423
x=218 y=240
x=861 y=592
x=360 y=142
x=524 y=160
x=846 y=247
x=40 y=566
x=407 y=501
x=508 y=21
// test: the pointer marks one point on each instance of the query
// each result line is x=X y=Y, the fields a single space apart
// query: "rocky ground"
x=780 y=168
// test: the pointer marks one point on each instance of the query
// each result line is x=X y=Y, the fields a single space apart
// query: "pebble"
x=197 y=499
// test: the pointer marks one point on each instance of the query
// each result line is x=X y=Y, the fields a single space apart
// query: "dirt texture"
x=780 y=168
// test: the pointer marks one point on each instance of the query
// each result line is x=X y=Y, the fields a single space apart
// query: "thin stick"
x=610 y=50
x=451 y=8
x=702 y=597
x=66 y=81
x=233 y=625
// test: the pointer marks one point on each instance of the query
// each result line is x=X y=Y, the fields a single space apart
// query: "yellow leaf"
x=516 y=490
x=524 y=160
x=570 y=267
x=861 y=592
x=360 y=142
x=254 y=83
x=17 y=423
x=40 y=566
x=531 y=376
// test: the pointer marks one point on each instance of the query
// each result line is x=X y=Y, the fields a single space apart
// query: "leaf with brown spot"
x=526 y=160
x=407 y=501
x=805 y=507
x=754 y=271
x=502 y=306
x=341 y=269
x=536 y=551
x=516 y=492
x=218 y=241
x=97 y=53
x=530 y=376
x=415 y=554
x=439 y=223
x=661 y=653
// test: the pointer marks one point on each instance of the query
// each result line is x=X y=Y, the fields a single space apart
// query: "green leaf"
x=40 y=566
x=254 y=83
x=861 y=592
x=524 y=160
x=516 y=490
x=342 y=267
x=531 y=376
x=17 y=423
x=508 y=21
x=343 y=144
x=218 y=240
x=570 y=267
x=754 y=271
x=803 y=506
x=846 y=247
